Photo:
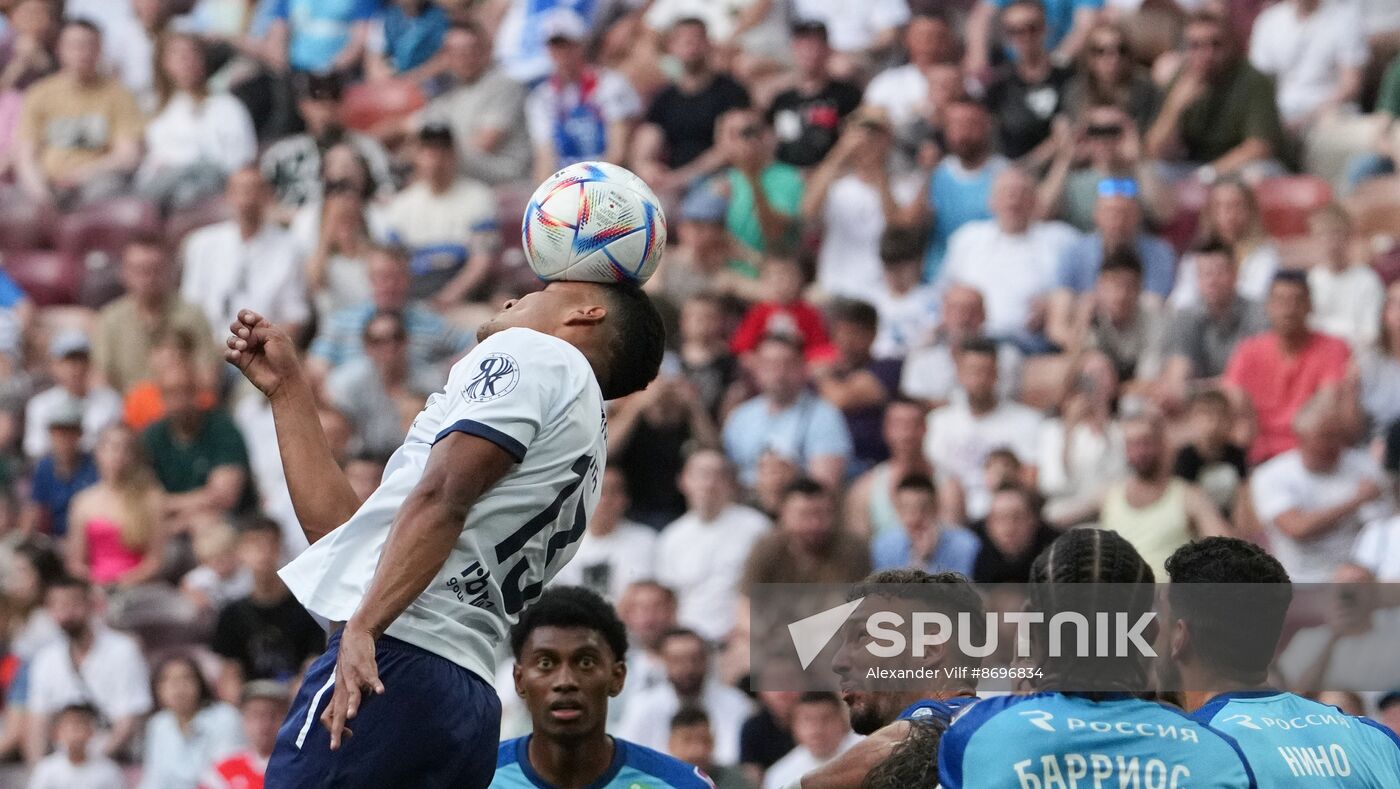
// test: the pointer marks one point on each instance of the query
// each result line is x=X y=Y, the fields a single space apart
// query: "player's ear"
x=1178 y=639
x=518 y=675
x=586 y=315
x=619 y=677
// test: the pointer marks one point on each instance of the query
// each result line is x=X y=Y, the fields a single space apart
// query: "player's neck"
x=571 y=764
x=1210 y=687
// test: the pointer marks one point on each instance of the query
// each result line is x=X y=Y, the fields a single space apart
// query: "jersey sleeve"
x=505 y=390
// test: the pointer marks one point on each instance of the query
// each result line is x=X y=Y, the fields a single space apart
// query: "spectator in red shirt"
x=264 y=705
x=784 y=311
x=1272 y=374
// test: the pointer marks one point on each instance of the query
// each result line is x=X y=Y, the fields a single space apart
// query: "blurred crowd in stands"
x=946 y=277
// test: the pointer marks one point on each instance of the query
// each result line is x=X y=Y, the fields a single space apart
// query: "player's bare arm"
x=321 y=495
x=460 y=469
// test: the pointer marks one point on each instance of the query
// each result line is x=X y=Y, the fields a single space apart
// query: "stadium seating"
x=25 y=224
x=1286 y=202
x=48 y=277
x=96 y=234
x=371 y=107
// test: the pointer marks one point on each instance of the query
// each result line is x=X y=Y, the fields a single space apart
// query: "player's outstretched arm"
x=460 y=469
x=321 y=495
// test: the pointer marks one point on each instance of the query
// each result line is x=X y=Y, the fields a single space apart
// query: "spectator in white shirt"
x=1011 y=259
x=247 y=262
x=614 y=552
x=902 y=91
x=448 y=224
x=190 y=731
x=908 y=308
x=1312 y=500
x=859 y=32
x=962 y=433
x=1347 y=296
x=91 y=665
x=648 y=609
x=647 y=721
x=71 y=369
x=701 y=554
x=929 y=373
x=75 y=763
x=1315 y=50
x=196 y=137
x=822 y=729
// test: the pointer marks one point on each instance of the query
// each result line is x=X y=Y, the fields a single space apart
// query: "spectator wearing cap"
x=293 y=164
x=1065 y=27
x=698 y=259
x=79 y=137
x=431 y=338
x=1104 y=146
x=321 y=35
x=977 y=421
x=128 y=328
x=908 y=308
x=852 y=197
x=262 y=706
x=483 y=106
x=960 y=186
x=675 y=145
x=381 y=392
x=1316 y=53
x=806 y=118
x=60 y=474
x=1271 y=375
x=787 y=418
x=765 y=196
x=853 y=380
x=71 y=369
x=581 y=112
x=1012 y=259
x=247 y=262
x=1027 y=93
x=1219 y=116
x=447 y=222
x=195 y=138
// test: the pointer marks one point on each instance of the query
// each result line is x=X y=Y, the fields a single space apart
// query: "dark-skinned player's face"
x=566 y=676
x=543 y=310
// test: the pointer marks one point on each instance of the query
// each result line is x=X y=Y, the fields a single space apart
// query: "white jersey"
x=534 y=396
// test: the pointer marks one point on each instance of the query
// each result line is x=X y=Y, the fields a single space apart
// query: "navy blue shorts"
x=437 y=725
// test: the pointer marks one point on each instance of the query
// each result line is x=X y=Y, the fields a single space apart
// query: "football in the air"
x=594 y=222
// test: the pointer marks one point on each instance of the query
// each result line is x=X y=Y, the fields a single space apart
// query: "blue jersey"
x=633 y=767
x=944 y=710
x=1050 y=740
x=1292 y=740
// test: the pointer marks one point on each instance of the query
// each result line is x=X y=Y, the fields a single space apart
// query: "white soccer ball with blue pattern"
x=594 y=222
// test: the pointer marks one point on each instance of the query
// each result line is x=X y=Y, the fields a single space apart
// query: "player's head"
x=569 y=649
x=913 y=762
x=1089 y=570
x=1216 y=634
x=903 y=591
x=615 y=325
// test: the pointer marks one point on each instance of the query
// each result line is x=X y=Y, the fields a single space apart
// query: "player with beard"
x=1220 y=647
x=570 y=650
x=890 y=718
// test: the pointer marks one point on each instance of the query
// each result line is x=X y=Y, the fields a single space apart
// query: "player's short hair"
x=912 y=762
x=983 y=346
x=689 y=715
x=920 y=482
x=855 y=312
x=571 y=607
x=1212 y=246
x=1215 y=619
x=805 y=487
x=81 y=708
x=638 y=341
x=1122 y=260
x=1292 y=277
x=903 y=244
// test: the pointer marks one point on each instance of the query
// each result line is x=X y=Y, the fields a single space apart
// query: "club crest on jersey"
x=496 y=377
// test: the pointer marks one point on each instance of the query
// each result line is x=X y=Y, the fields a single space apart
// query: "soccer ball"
x=594 y=222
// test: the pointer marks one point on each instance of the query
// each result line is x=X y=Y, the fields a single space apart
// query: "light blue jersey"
x=1290 y=740
x=633 y=767
x=1053 y=740
x=930 y=709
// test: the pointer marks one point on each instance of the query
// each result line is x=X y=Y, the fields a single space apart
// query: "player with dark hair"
x=1108 y=738
x=1221 y=644
x=479 y=508
x=890 y=717
x=570 y=649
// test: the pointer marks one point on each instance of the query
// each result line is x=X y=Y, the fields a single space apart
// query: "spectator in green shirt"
x=1385 y=150
x=198 y=455
x=764 y=194
x=1219 y=116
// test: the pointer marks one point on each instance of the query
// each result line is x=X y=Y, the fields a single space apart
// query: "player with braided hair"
x=1059 y=737
x=1221 y=644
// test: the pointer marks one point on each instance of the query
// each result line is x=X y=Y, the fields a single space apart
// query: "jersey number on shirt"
x=515 y=592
